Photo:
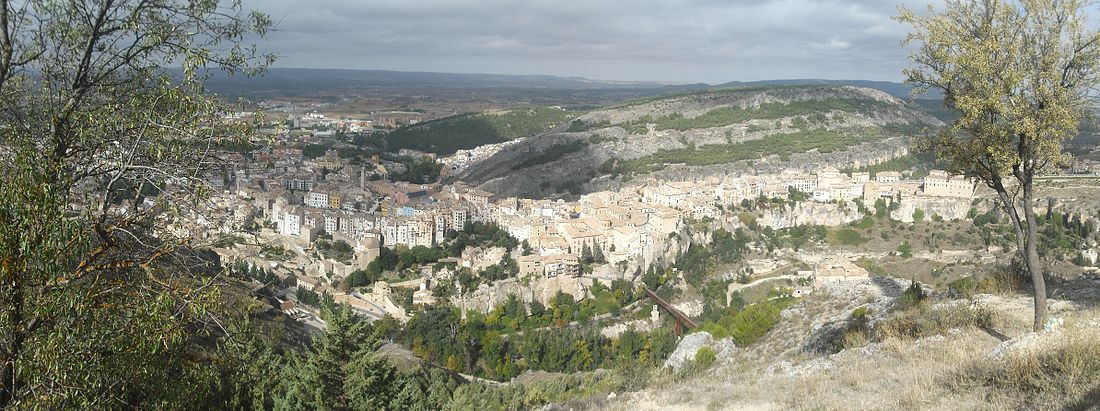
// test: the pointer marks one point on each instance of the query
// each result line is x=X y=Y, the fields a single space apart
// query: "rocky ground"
x=794 y=367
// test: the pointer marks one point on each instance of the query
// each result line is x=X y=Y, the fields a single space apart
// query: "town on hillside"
x=333 y=225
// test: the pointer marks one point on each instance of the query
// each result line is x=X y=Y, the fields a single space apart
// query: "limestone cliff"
x=809 y=213
x=724 y=118
x=946 y=208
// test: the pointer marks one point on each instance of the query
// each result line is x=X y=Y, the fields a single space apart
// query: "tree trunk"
x=1031 y=259
x=9 y=381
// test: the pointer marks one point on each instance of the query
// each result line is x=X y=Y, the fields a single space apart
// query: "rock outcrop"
x=809 y=213
x=690 y=345
x=946 y=208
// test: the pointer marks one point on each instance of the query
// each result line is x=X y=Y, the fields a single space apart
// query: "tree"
x=320 y=377
x=96 y=305
x=537 y=309
x=340 y=372
x=905 y=250
x=597 y=255
x=1020 y=75
x=880 y=208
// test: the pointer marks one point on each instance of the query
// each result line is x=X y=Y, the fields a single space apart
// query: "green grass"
x=464 y=131
x=846 y=236
x=872 y=268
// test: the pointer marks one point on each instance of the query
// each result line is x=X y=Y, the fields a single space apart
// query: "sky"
x=676 y=41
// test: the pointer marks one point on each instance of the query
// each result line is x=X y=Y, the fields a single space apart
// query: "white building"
x=292 y=224
x=317 y=199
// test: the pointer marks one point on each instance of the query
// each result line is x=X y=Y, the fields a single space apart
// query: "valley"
x=539 y=232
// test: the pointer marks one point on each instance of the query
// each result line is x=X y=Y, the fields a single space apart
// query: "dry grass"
x=933 y=356
x=1060 y=370
x=925 y=320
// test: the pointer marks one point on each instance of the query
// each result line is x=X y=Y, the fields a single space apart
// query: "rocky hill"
x=705 y=133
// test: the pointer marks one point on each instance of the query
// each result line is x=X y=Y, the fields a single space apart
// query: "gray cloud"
x=665 y=40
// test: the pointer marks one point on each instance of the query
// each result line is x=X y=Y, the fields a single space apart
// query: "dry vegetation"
x=966 y=353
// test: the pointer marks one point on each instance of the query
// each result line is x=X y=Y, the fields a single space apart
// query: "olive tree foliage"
x=1021 y=74
x=102 y=300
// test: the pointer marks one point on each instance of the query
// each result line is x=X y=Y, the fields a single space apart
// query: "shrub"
x=750 y=323
x=704 y=357
x=964 y=287
x=905 y=250
x=748 y=219
x=858 y=328
x=924 y=321
x=912 y=296
x=849 y=237
x=918 y=215
x=864 y=223
x=754 y=321
x=1003 y=280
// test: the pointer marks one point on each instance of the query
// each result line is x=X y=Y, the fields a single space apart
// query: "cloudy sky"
x=709 y=41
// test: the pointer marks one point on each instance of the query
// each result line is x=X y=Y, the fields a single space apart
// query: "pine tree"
x=318 y=381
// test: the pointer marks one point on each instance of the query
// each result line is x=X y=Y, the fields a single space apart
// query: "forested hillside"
x=465 y=131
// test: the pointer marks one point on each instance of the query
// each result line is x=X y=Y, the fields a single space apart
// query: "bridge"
x=681 y=319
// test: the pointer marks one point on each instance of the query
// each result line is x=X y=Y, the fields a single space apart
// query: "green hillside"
x=784 y=145
x=464 y=131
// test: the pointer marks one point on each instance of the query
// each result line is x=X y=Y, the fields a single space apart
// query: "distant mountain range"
x=299 y=78
x=292 y=79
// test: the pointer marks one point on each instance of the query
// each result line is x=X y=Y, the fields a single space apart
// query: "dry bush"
x=925 y=320
x=1060 y=371
x=1004 y=280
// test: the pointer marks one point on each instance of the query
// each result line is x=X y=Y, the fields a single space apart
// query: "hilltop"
x=703 y=133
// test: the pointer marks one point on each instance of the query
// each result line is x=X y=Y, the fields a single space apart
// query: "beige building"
x=580 y=234
x=940 y=184
x=548 y=265
x=836 y=271
x=888 y=177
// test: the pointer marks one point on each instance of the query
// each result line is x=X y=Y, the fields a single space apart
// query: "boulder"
x=685 y=351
